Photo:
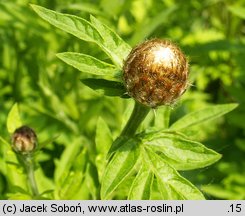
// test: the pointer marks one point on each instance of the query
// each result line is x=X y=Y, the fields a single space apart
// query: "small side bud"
x=156 y=73
x=24 y=140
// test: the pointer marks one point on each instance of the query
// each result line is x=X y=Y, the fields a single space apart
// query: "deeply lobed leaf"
x=179 y=152
x=171 y=185
x=142 y=184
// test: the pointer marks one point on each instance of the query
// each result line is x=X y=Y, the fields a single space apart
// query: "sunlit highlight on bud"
x=156 y=73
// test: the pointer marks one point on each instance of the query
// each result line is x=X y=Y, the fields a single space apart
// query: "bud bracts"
x=156 y=73
x=24 y=140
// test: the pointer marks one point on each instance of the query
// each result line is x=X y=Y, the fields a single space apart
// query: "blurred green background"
x=53 y=101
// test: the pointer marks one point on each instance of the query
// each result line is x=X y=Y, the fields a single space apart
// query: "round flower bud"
x=24 y=140
x=155 y=73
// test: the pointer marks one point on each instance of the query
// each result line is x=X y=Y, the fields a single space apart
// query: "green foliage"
x=142 y=185
x=181 y=153
x=172 y=150
x=103 y=142
x=170 y=184
x=237 y=10
x=200 y=116
x=76 y=126
x=106 y=87
x=93 y=31
x=88 y=64
x=119 y=167
x=13 y=120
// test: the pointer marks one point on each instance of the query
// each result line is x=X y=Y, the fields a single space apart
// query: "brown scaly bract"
x=156 y=73
x=24 y=140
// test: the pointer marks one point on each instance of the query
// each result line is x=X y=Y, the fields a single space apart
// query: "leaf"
x=222 y=193
x=89 y=8
x=141 y=186
x=203 y=115
x=106 y=87
x=19 y=196
x=92 y=181
x=179 y=152
x=237 y=10
x=80 y=163
x=2 y=140
x=84 y=30
x=170 y=183
x=13 y=119
x=103 y=142
x=88 y=64
x=48 y=141
x=46 y=192
x=148 y=26
x=64 y=164
x=74 y=25
x=71 y=185
x=162 y=117
x=103 y=137
x=111 y=40
x=122 y=162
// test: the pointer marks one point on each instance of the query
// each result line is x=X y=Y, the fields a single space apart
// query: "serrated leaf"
x=122 y=162
x=179 y=152
x=142 y=184
x=13 y=119
x=171 y=185
x=111 y=40
x=84 y=30
x=106 y=87
x=88 y=64
x=203 y=115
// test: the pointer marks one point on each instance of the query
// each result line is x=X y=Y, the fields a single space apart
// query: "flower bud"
x=155 y=73
x=24 y=140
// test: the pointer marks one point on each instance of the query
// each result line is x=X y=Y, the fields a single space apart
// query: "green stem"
x=138 y=115
x=29 y=168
